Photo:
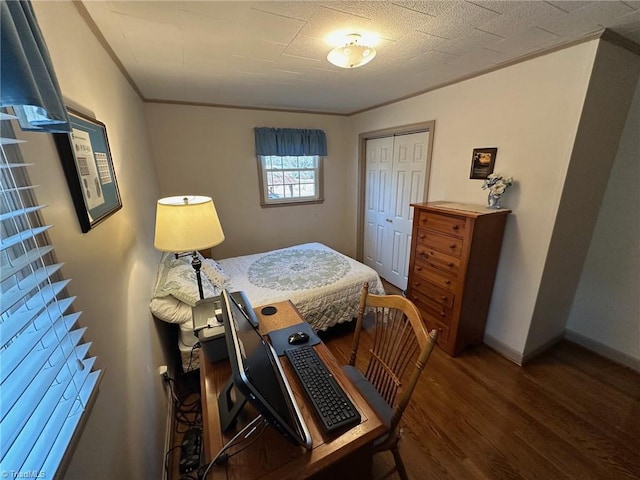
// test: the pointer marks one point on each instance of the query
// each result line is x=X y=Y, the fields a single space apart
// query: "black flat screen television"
x=257 y=376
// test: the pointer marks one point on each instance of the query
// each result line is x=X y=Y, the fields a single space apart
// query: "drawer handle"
x=443 y=298
x=456 y=227
x=443 y=313
x=450 y=264
x=422 y=235
x=447 y=282
x=416 y=284
x=452 y=246
x=419 y=269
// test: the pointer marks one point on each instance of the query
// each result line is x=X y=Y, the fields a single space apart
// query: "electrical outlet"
x=163 y=372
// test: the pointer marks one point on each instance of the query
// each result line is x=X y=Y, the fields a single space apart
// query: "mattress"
x=322 y=283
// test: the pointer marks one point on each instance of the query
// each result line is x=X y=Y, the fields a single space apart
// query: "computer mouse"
x=298 y=338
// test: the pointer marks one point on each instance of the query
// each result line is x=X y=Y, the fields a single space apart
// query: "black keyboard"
x=331 y=404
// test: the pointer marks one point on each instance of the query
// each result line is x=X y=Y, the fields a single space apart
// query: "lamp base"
x=197 y=265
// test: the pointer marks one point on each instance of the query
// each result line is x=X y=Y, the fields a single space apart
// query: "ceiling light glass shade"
x=187 y=223
x=353 y=54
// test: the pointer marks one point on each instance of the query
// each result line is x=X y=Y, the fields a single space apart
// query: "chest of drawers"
x=454 y=256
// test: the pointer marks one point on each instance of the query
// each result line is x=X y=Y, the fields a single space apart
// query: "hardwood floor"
x=569 y=414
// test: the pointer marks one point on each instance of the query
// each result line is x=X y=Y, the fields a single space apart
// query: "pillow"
x=215 y=273
x=177 y=277
x=170 y=309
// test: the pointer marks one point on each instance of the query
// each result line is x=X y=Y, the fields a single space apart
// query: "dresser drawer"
x=436 y=259
x=442 y=223
x=440 y=243
x=435 y=309
x=434 y=293
x=431 y=322
x=441 y=279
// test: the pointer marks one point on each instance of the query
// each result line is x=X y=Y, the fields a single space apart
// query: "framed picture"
x=482 y=162
x=86 y=161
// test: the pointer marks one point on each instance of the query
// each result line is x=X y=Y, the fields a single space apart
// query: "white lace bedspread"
x=323 y=284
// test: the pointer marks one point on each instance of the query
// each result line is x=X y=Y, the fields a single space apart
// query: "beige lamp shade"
x=187 y=223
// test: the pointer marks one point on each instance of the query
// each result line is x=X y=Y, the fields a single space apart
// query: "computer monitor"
x=257 y=376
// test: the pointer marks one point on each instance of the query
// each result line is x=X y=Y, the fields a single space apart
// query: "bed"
x=322 y=283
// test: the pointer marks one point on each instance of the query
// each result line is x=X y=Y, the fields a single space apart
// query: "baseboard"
x=603 y=350
x=169 y=431
x=503 y=349
x=596 y=347
x=527 y=357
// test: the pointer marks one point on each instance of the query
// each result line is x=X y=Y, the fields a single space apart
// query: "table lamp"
x=186 y=224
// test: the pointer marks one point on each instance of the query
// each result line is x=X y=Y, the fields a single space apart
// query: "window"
x=290 y=179
x=290 y=165
x=47 y=380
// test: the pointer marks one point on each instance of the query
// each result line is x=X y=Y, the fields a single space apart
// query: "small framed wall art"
x=88 y=168
x=482 y=162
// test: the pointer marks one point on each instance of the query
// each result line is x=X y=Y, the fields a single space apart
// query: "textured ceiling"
x=272 y=54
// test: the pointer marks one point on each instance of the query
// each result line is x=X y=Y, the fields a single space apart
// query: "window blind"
x=27 y=76
x=47 y=378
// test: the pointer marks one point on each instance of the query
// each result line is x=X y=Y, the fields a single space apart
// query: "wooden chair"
x=398 y=336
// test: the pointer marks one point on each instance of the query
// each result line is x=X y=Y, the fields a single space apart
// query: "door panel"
x=409 y=170
x=397 y=253
x=379 y=245
x=379 y=155
x=399 y=207
x=382 y=193
x=372 y=189
x=369 y=244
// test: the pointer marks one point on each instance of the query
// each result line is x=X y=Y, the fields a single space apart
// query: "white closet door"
x=407 y=186
x=379 y=156
x=396 y=170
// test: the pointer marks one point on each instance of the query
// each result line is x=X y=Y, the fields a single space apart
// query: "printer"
x=209 y=328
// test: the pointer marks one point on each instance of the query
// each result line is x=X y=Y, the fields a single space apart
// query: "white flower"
x=498 y=189
x=497 y=183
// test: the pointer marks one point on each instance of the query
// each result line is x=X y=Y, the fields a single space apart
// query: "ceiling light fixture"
x=352 y=54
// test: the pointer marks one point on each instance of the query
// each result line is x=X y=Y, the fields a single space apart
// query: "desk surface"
x=272 y=456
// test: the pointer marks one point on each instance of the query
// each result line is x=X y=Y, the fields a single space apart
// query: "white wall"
x=530 y=112
x=599 y=132
x=113 y=266
x=211 y=151
x=605 y=314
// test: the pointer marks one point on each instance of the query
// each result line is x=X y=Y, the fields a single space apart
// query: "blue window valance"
x=290 y=141
x=27 y=80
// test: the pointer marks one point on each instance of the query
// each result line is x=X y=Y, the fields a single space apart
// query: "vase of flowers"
x=497 y=184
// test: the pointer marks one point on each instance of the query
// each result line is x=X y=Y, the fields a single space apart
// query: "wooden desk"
x=272 y=456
